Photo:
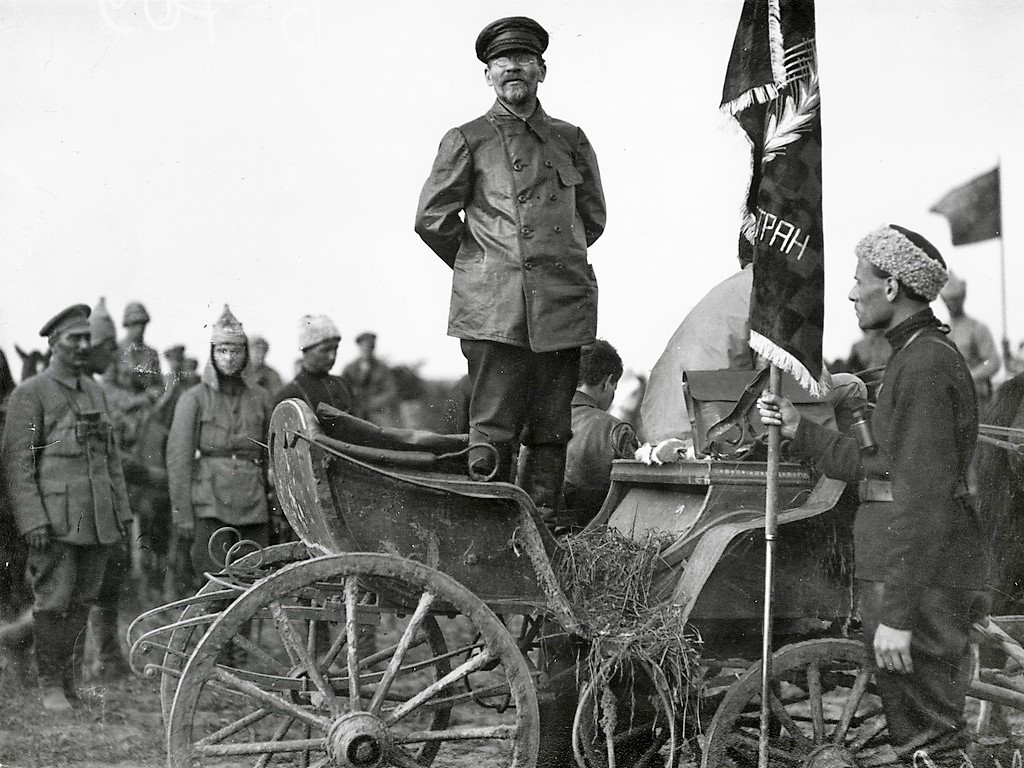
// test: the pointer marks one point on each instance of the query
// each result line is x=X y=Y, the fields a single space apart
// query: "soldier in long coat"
x=921 y=554
x=68 y=493
x=511 y=205
x=216 y=465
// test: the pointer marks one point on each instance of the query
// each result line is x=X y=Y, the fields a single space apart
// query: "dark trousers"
x=517 y=394
x=925 y=709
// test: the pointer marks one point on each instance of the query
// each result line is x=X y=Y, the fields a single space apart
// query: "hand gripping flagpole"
x=771 y=525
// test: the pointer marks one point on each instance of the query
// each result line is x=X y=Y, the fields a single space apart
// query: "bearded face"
x=515 y=77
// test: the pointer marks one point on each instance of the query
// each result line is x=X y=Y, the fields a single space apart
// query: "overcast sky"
x=190 y=153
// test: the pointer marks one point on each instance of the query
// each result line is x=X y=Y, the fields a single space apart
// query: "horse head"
x=32 y=362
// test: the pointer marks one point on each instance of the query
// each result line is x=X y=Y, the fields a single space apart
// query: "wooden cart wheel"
x=197 y=617
x=827 y=713
x=372 y=698
x=637 y=703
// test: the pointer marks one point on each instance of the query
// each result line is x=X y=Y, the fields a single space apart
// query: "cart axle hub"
x=829 y=756
x=358 y=740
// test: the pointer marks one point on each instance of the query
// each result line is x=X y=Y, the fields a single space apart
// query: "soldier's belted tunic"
x=60 y=472
x=215 y=462
x=922 y=558
x=533 y=203
x=63 y=471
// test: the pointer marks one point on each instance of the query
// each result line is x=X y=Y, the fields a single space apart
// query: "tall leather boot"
x=76 y=624
x=541 y=475
x=51 y=645
x=16 y=649
x=109 y=663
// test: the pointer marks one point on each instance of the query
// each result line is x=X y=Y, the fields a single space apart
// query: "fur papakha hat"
x=314 y=329
x=908 y=257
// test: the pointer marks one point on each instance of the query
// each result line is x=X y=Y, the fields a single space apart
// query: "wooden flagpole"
x=771 y=525
x=1002 y=259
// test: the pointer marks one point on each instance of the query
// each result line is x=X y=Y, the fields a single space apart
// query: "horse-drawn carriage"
x=407 y=625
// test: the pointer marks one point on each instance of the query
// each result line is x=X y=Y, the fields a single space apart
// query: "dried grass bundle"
x=607 y=578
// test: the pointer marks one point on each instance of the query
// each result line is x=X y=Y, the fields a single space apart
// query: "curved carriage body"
x=416 y=600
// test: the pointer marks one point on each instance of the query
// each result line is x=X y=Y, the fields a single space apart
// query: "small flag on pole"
x=771 y=88
x=973 y=209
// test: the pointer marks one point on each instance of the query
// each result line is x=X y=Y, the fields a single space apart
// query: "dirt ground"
x=116 y=724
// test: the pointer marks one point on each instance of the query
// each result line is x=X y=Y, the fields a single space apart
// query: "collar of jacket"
x=210 y=378
x=901 y=334
x=539 y=123
x=582 y=398
x=72 y=381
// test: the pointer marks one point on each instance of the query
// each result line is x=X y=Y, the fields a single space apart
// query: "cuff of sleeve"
x=898 y=607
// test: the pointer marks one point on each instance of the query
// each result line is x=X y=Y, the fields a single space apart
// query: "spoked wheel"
x=627 y=722
x=202 y=610
x=361 y=692
x=826 y=712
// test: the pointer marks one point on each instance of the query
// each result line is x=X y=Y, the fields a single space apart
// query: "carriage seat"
x=389 y=446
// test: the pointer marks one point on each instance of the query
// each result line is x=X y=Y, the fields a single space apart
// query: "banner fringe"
x=776 y=44
x=762 y=94
x=776 y=355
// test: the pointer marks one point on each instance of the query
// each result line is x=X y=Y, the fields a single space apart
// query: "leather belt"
x=881 y=490
x=255 y=458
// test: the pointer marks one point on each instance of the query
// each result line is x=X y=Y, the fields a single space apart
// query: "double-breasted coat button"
x=518 y=165
x=527 y=231
x=554 y=197
x=523 y=197
x=558 y=229
x=547 y=163
x=528 y=264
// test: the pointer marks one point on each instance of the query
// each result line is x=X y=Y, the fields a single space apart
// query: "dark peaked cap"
x=72 y=317
x=513 y=33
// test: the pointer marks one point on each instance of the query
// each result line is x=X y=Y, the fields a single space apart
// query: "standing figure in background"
x=373 y=385
x=973 y=339
x=175 y=357
x=512 y=204
x=189 y=371
x=64 y=475
x=318 y=342
x=713 y=336
x=871 y=351
x=109 y=662
x=216 y=462
x=264 y=375
x=139 y=366
x=598 y=438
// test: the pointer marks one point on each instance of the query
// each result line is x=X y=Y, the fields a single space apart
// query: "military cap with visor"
x=74 y=318
x=511 y=34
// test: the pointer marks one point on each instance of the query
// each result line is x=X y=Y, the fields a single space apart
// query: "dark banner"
x=771 y=88
x=973 y=209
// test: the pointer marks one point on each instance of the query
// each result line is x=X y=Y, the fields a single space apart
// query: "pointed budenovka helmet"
x=101 y=324
x=227 y=329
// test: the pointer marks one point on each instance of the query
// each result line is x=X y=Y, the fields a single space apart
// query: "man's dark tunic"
x=921 y=559
x=316 y=388
x=598 y=438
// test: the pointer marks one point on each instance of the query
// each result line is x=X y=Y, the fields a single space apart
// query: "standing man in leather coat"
x=512 y=203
